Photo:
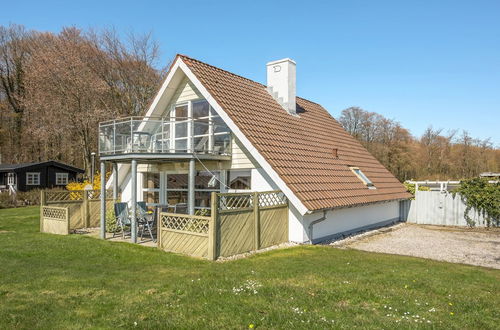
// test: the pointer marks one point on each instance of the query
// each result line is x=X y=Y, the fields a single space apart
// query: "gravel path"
x=480 y=247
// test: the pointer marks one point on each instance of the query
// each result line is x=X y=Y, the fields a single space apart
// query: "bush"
x=31 y=197
x=96 y=185
x=6 y=201
x=482 y=196
x=410 y=187
x=111 y=225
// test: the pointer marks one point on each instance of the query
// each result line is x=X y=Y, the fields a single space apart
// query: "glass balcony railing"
x=169 y=135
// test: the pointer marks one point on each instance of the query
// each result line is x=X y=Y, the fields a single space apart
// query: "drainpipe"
x=323 y=218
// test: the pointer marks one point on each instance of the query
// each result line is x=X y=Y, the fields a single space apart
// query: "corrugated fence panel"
x=440 y=208
x=235 y=233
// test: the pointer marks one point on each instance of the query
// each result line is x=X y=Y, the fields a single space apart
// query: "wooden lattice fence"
x=83 y=206
x=239 y=222
x=54 y=220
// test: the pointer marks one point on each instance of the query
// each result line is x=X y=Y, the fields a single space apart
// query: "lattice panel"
x=54 y=213
x=185 y=223
x=235 y=202
x=273 y=198
x=96 y=194
x=62 y=196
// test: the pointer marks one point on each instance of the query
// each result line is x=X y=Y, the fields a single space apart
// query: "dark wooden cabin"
x=27 y=176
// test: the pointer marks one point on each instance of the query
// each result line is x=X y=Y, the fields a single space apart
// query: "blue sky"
x=419 y=62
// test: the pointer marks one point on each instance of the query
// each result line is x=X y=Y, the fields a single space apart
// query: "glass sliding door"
x=176 y=188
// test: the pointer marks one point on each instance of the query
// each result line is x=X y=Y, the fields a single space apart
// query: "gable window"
x=61 y=179
x=33 y=178
x=362 y=177
x=197 y=119
x=239 y=179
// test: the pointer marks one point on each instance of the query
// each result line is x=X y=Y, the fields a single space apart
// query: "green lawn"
x=50 y=281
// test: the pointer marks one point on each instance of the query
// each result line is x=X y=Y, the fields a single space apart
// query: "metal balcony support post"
x=131 y=134
x=115 y=181
x=114 y=137
x=133 y=206
x=191 y=178
x=103 y=201
x=162 y=134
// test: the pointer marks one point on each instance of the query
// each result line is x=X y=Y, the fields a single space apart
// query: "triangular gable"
x=162 y=100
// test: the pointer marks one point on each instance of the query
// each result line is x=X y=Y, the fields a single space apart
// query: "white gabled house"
x=209 y=130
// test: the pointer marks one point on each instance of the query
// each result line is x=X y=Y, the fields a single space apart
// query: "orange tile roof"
x=300 y=149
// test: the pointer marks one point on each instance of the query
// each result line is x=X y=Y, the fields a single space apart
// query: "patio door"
x=175 y=188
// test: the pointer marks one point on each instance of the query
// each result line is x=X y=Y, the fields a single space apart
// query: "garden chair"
x=122 y=217
x=145 y=219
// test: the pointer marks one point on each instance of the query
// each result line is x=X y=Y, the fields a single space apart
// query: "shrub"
x=6 y=201
x=111 y=225
x=410 y=187
x=96 y=185
x=31 y=197
x=482 y=196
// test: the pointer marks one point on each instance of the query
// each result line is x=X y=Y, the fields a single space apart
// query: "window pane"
x=176 y=197
x=239 y=179
x=219 y=125
x=200 y=109
x=202 y=199
x=201 y=127
x=151 y=197
x=205 y=180
x=177 y=181
x=181 y=145
x=151 y=180
x=181 y=112
x=222 y=143
x=181 y=129
x=200 y=144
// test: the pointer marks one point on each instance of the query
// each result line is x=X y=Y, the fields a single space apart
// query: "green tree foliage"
x=483 y=197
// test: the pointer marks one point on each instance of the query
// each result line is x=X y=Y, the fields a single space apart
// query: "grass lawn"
x=50 y=281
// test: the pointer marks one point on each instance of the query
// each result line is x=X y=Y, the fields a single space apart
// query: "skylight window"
x=362 y=177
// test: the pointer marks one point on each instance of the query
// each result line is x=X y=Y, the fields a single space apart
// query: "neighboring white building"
x=211 y=130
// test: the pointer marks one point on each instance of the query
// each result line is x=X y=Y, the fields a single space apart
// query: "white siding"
x=185 y=92
x=240 y=158
x=351 y=219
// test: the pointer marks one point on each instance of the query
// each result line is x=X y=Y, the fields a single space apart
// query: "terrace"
x=155 y=138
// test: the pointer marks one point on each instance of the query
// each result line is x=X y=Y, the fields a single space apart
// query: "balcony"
x=164 y=138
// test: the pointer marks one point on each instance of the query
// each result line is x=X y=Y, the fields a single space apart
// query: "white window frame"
x=212 y=114
x=62 y=176
x=32 y=178
x=362 y=176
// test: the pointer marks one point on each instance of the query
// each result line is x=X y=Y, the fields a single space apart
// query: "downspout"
x=323 y=218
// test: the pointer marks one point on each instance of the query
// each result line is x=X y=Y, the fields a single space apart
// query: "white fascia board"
x=151 y=110
x=163 y=88
x=248 y=145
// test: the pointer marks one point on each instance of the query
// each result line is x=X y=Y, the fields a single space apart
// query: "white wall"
x=351 y=219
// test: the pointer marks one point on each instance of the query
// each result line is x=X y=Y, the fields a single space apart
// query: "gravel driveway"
x=480 y=247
